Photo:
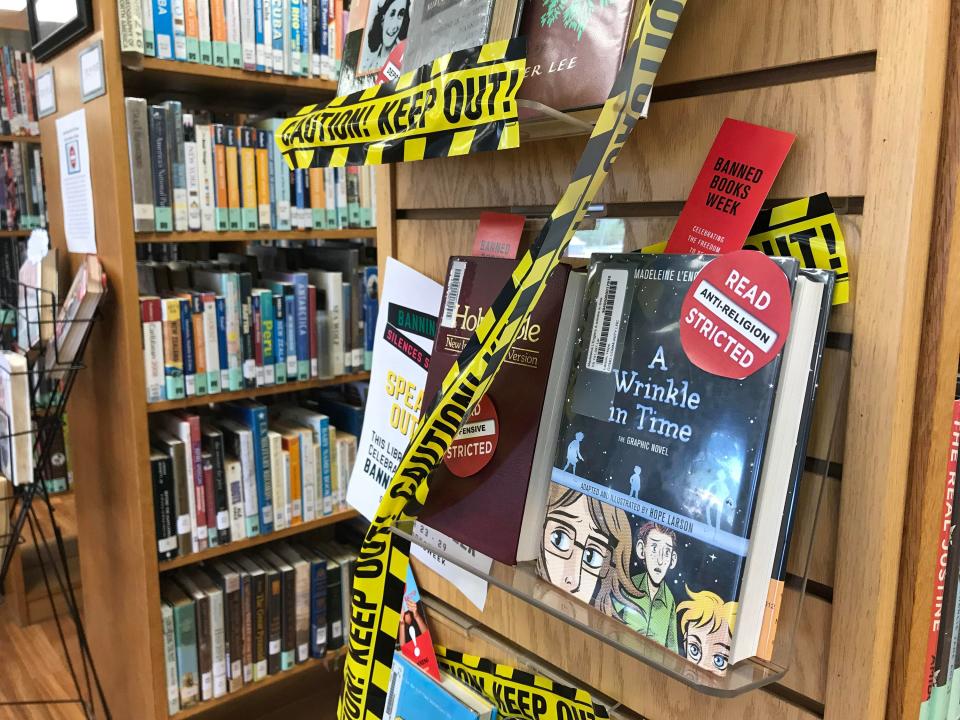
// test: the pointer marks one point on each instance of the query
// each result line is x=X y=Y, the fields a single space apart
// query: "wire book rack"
x=50 y=340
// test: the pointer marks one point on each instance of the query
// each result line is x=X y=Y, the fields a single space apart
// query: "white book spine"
x=234 y=476
x=130 y=20
x=324 y=501
x=205 y=165
x=232 y=10
x=170 y=660
x=335 y=318
x=218 y=644
x=153 y=360
x=343 y=471
x=146 y=17
x=303 y=611
x=191 y=167
x=211 y=347
x=203 y=22
x=179 y=30
x=287 y=60
x=277 y=480
x=341 y=198
x=308 y=476
x=248 y=35
x=251 y=506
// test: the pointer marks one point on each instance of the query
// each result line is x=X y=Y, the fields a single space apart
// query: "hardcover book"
x=489 y=463
x=574 y=51
x=657 y=465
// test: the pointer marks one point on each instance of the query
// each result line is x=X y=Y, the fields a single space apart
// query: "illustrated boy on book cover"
x=656 y=466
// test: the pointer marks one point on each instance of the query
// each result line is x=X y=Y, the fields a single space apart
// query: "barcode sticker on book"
x=393 y=691
x=606 y=320
x=183 y=524
x=457 y=269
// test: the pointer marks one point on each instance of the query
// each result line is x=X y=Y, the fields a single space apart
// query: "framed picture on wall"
x=55 y=24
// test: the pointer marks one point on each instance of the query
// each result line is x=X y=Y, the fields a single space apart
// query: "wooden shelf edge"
x=241 y=235
x=15 y=233
x=214 y=72
x=247 y=543
x=265 y=391
x=34 y=139
x=312 y=664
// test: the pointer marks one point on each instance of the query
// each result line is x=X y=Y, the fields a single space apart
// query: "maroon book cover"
x=478 y=493
x=573 y=51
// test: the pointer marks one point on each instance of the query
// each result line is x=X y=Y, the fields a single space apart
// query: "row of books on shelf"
x=246 y=469
x=18 y=93
x=288 y=37
x=941 y=689
x=660 y=494
x=240 y=620
x=22 y=202
x=235 y=322
x=189 y=172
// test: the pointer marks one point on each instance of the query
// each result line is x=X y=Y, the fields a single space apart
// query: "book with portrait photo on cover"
x=667 y=478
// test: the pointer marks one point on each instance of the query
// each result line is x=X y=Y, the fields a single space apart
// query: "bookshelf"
x=110 y=446
x=32 y=139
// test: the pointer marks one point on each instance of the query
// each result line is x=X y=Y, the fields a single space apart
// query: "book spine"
x=188 y=670
x=189 y=360
x=343 y=205
x=160 y=163
x=149 y=39
x=280 y=328
x=318 y=609
x=172 y=349
x=233 y=176
x=288 y=620
x=199 y=343
x=130 y=25
x=248 y=599
x=163 y=28
x=263 y=178
x=334 y=607
x=263 y=65
x=322 y=42
x=234 y=41
x=292 y=446
x=276 y=35
x=164 y=508
x=312 y=349
x=221 y=492
x=264 y=478
x=307 y=16
x=218 y=648
x=170 y=659
x=334 y=467
x=278 y=481
x=195 y=458
x=191 y=30
x=272 y=153
x=303 y=328
x=234 y=480
x=290 y=323
x=302 y=571
x=267 y=335
x=178 y=166
x=353 y=196
x=222 y=214
x=204 y=648
x=294 y=44
x=205 y=163
x=234 y=307
x=308 y=473
x=191 y=166
x=248 y=34
x=222 y=344
x=179 y=30
x=318 y=214
x=274 y=622
x=209 y=499
x=141 y=174
x=211 y=342
x=371 y=308
x=233 y=599
x=943 y=549
x=248 y=353
x=218 y=32
x=325 y=476
x=248 y=175
x=330 y=190
x=260 y=629
x=299 y=198
x=205 y=45
x=151 y=316
x=257 y=333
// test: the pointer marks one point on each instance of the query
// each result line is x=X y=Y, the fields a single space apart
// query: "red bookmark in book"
x=414 y=637
x=730 y=190
x=498 y=235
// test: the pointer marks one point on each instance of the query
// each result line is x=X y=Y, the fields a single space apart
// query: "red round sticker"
x=476 y=442
x=736 y=314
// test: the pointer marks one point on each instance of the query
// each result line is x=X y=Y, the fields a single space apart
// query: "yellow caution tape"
x=517 y=694
x=381 y=567
x=463 y=102
x=806 y=229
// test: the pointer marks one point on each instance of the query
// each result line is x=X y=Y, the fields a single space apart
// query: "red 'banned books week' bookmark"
x=730 y=189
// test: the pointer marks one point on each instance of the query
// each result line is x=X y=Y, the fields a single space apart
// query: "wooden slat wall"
x=811 y=68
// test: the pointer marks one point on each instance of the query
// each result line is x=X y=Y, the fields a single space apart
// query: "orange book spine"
x=291 y=443
x=233 y=175
x=317 y=195
x=263 y=180
x=218 y=22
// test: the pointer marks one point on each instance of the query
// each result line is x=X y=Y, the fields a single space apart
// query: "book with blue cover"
x=414 y=695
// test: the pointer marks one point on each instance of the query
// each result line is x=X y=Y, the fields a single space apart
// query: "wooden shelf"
x=240 y=235
x=311 y=664
x=14 y=233
x=34 y=139
x=264 y=391
x=247 y=543
x=217 y=85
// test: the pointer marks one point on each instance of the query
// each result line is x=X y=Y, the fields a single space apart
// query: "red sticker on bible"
x=474 y=445
x=736 y=315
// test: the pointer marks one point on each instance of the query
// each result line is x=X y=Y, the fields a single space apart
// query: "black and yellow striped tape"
x=378 y=585
x=463 y=102
x=517 y=694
